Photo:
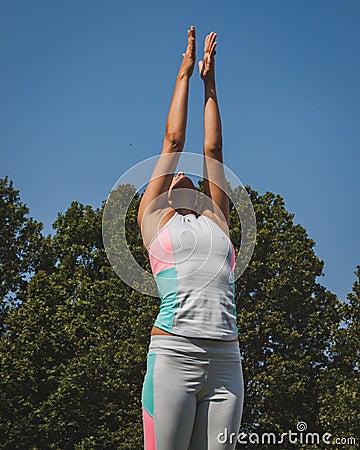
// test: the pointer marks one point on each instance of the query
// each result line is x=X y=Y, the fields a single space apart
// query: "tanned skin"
x=154 y=205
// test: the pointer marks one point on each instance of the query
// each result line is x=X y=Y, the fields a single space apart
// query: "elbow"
x=174 y=142
x=213 y=148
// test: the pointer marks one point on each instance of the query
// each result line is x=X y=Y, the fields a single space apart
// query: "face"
x=182 y=181
x=182 y=192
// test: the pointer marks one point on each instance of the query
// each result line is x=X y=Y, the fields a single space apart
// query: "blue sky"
x=86 y=85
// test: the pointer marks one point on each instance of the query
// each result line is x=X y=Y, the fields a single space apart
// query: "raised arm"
x=214 y=178
x=174 y=139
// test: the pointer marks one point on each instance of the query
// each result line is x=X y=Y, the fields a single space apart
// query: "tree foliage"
x=74 y=353
x=20 y=242
x=340 y=403
x=285 y=322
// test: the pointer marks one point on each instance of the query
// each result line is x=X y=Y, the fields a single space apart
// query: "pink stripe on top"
x=232 y=264
x=161 y=252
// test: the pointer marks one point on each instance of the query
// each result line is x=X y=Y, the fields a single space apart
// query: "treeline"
x=74 y=337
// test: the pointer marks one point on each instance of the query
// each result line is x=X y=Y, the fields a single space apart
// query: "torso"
x=162 y=220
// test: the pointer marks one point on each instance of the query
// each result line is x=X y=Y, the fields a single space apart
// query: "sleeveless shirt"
x=192 y=260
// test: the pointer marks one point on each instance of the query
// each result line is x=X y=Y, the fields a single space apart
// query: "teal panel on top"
x=147 y=397
x=167 y=285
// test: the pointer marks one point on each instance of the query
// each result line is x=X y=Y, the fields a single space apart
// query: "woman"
x=193 y=389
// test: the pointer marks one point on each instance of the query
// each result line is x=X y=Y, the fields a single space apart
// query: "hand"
x=189 y=56
x=206 y=67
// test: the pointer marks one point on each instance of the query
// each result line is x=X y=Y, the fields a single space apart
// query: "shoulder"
x=153 y=222
x=166 y=216
x=221 y=223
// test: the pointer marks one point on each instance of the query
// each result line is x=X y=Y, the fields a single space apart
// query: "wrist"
x=209 y=83
x=184 y=76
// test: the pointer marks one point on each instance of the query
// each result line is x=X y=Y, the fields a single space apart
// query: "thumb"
x=201 y=65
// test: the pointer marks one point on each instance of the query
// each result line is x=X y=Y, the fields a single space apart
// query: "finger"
x=191 y=36
x=206 y=42
x=212 y=38
x=200 y=67
x=191 y=44
x=213 y=51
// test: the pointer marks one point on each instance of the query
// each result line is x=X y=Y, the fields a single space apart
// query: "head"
x=182 y=193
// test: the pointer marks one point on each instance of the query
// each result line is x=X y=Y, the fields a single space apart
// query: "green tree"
x=340 y=404
x=74 y=355
x=285 y=318
x=20 y=243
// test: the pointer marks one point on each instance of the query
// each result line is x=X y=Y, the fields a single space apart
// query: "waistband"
x=194 y=347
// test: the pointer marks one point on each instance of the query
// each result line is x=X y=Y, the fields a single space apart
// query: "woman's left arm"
x=214 y=177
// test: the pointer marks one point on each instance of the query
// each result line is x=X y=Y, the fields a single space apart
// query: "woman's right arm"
x=174 y=138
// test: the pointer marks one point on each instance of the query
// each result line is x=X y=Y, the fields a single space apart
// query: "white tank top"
x=192 y=260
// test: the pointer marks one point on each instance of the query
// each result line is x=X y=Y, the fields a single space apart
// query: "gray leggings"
x=192 y=394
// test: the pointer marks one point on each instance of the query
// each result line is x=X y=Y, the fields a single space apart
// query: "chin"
x=184 y=182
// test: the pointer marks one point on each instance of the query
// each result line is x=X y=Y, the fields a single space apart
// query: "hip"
x=195 y=348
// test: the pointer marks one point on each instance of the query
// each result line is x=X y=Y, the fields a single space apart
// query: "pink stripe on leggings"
x=149 y=431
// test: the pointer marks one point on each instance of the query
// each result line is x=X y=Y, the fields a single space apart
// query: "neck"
x=185 y=211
